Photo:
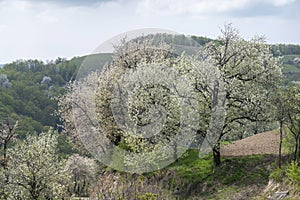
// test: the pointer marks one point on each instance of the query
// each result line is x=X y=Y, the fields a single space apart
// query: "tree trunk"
x=241 y=135
x=217 y=103
x=75 y=185
x=256 y=128
x=217 y=155
x=280 y=144
x=5 y=156
x=5 y=162
x=296 y=150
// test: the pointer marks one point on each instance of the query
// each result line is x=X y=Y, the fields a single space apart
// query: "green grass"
x=226 y=142
x=246 y=169
x=195 y=178
x=290 y=69
x=191 y=168
x=234 y=174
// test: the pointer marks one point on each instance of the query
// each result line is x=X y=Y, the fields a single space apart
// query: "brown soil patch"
x=263 y=143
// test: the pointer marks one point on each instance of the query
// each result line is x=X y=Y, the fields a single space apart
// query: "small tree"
x=34 y=169
x=7 y=134
x=279 y=100
x=291 y=104
x=76 y=96
x=83 y=174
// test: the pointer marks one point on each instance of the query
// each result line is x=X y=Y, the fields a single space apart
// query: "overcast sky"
x=47 y=29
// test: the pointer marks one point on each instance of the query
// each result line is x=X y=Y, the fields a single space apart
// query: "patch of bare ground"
x=262 y=143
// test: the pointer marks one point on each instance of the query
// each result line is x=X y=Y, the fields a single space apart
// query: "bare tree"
x=7 y=134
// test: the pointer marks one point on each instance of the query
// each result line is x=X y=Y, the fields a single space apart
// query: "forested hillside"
x=27 y=88
x=290 y=60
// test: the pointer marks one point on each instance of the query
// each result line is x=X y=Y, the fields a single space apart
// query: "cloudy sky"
x=47 y=29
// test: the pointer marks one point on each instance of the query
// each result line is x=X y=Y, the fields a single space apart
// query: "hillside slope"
x=263 y=143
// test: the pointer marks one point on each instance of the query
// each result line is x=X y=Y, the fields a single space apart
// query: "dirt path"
x=263 y=143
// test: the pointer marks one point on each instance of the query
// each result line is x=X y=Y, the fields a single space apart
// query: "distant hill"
x=86 y=64
x=290 y=53
x=290 y=60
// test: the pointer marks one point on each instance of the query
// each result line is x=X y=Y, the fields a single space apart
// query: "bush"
x=278 y=174
x=293 y=173
x=119 y=185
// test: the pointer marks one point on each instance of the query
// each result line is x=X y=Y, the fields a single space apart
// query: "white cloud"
x=282 y=2
x=170 y=7
x=199 y=7
x=18 y=5
x=47 y=29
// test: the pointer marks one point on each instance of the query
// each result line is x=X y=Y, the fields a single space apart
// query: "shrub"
x=293 y=173
x=278 y=174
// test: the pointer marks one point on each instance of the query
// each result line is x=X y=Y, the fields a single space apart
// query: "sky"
x=47 y=29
